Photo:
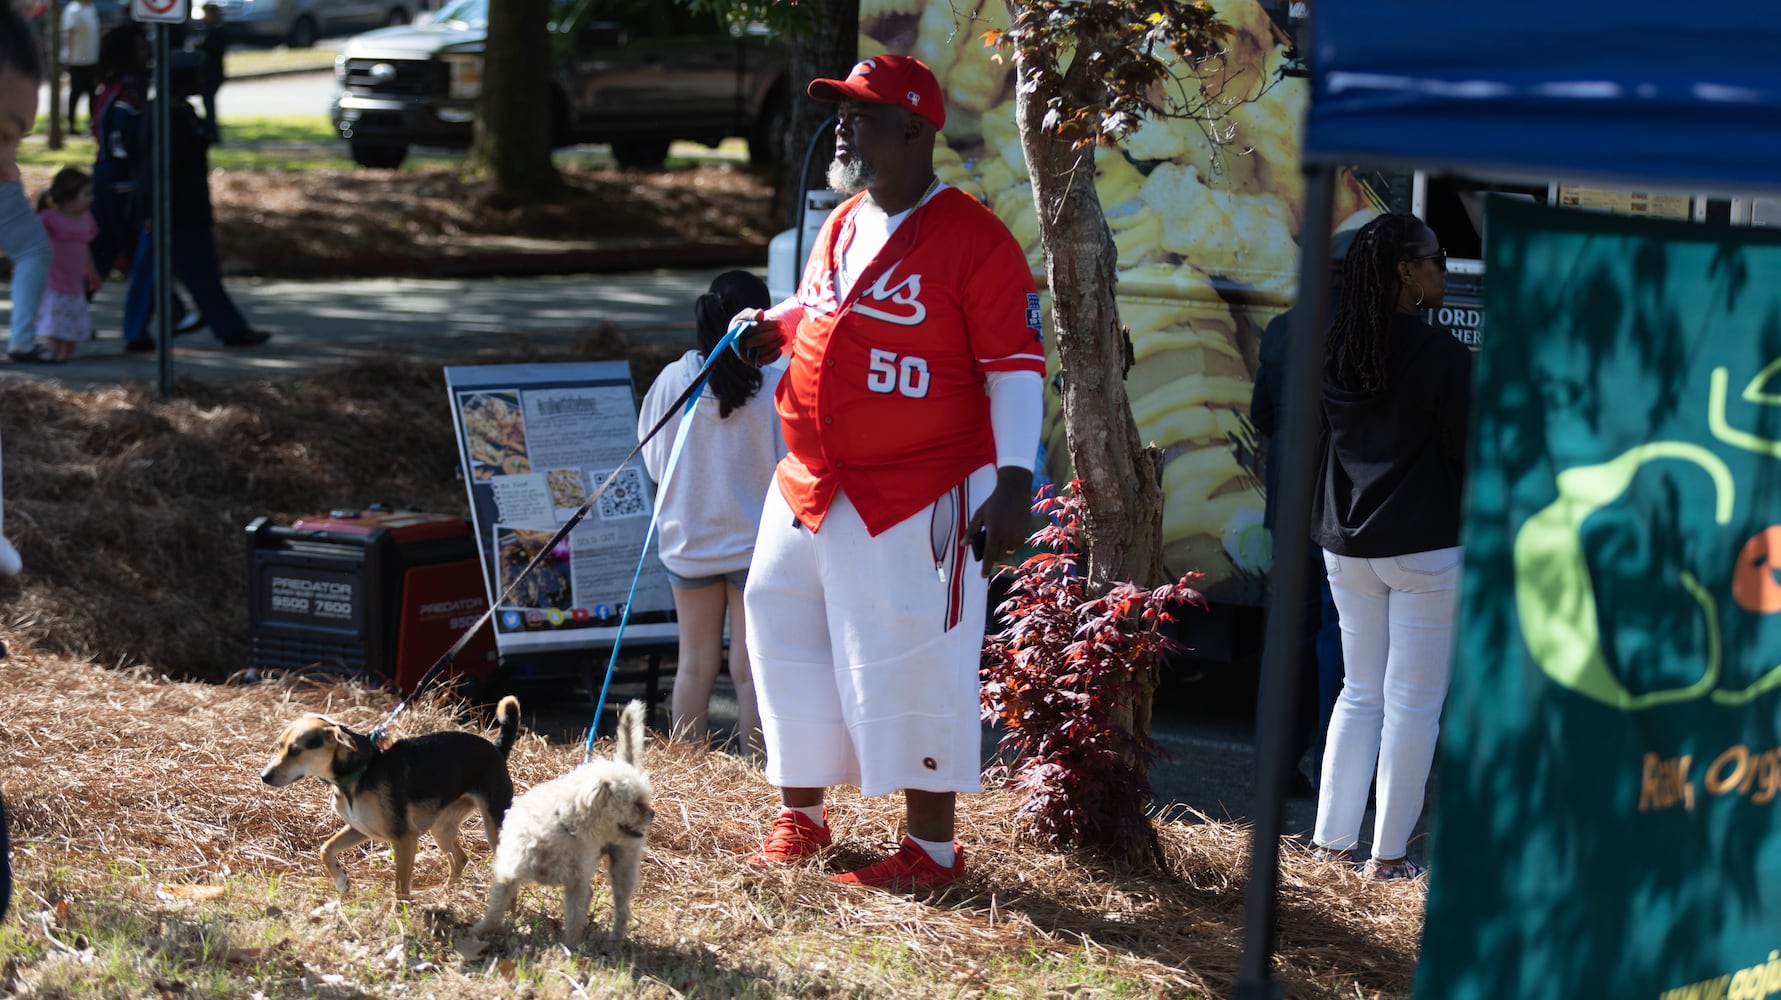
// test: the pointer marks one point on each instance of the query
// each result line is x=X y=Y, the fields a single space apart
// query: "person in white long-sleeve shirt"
x=711 y=506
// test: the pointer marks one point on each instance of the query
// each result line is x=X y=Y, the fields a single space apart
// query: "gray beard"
x=849 y=179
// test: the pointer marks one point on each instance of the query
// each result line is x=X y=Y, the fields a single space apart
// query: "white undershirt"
x=865 y=234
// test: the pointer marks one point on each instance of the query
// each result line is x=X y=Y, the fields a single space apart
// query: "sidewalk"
x=319 y=324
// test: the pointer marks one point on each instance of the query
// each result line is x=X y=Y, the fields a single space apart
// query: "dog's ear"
x=343 y=740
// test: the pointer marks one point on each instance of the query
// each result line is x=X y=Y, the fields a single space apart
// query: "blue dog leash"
x=624 y=618
x=688 y=410
x=687 y=399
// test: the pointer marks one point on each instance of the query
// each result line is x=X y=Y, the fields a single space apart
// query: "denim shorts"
x=738 y=579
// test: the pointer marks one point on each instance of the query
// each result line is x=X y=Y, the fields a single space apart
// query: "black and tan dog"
x=427 y=783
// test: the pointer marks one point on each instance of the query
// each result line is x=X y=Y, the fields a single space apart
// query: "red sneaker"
x=909 y=868
x=793 y=838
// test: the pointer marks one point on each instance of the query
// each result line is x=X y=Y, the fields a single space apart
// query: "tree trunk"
x=828 y=49
x=515 y=114
x=52 y=69
x=1121 y=478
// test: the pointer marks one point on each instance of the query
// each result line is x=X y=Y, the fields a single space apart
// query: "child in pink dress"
x=63 y=319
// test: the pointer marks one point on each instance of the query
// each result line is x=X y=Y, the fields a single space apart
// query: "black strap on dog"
x=439 y=665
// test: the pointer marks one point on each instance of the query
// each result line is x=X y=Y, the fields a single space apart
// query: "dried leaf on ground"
x=129 y=510
x=321 y=221
x=119 y=771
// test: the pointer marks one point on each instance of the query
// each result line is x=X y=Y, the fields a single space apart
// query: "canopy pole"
x=1298 y=440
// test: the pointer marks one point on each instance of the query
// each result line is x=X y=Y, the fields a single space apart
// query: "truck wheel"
x=766 y=143
x=640 y=155
x=379 y=156
x=303 y=33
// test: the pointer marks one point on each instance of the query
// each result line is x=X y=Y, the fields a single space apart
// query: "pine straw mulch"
x=129 y=510
x=110 y=771
x=362 y=223
x=353 y=223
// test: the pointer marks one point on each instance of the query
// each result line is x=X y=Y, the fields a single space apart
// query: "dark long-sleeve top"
x=1265 y=404
x=188 y=162
x=1393 y=465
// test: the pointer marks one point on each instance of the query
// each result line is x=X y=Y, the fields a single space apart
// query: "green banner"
x=1607 y=820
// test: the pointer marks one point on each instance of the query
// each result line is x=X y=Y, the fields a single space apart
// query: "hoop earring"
x=1419 y=294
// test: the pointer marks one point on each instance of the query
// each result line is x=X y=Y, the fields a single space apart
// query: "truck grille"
x=403 y=76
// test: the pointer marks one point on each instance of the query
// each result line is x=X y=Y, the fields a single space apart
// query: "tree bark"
x=829 y=49
x=514 y=117
x=1121 y=477
x=52 y=70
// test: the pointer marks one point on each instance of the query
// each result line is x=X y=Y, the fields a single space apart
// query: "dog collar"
x=345 y=782
x=366 y=753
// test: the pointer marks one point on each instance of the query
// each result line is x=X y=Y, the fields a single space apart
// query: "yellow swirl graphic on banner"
x=1555 y=595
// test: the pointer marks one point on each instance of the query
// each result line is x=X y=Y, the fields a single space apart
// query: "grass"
x=309 y=142
x=278 y=142
x=241 y=62
x=133 y=937
x=149 y=860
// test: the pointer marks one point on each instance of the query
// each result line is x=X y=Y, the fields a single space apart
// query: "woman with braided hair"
x=1396 y=395
x=711 y=508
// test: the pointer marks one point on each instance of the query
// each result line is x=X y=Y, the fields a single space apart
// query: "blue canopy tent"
x=1678 y=95
x=1629 y=92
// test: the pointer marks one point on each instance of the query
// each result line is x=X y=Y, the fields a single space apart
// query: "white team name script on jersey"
x=905 y=294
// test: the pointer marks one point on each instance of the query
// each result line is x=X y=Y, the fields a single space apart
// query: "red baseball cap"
x=901 y=80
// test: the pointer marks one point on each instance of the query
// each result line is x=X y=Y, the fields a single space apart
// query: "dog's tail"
x=507 y=713
x=630 y=734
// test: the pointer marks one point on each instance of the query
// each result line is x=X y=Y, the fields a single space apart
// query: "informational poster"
x=1649 y=204
x=1609 y=813
x=534 y=442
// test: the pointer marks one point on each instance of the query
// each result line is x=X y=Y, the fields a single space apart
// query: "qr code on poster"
x=626 y=496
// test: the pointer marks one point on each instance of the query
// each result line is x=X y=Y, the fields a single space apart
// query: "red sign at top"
x=175 y=11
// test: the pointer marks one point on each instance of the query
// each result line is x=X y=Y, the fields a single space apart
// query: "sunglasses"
x=1439 y=257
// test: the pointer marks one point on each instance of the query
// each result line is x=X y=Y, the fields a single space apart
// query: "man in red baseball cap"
x=911 y=411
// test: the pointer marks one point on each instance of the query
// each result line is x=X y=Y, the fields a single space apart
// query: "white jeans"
x=1397 y=643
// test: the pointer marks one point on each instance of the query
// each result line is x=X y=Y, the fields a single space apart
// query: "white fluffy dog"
x=556 y=833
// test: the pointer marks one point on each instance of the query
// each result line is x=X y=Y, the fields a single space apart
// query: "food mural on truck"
x=1208 y=252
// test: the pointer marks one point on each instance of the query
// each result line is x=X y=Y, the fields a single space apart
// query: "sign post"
x=162 y=13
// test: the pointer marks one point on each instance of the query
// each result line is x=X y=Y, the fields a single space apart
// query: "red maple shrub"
x=1058 y=678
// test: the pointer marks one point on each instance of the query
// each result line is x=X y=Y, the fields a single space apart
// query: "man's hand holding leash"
x=764 y=341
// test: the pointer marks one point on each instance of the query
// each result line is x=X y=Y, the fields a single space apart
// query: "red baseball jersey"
x=884 y=397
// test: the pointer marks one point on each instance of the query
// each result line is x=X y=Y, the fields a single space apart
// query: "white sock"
x=940 y=850
x=811 y=813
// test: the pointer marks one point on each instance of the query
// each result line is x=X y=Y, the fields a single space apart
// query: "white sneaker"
x=10 y=563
